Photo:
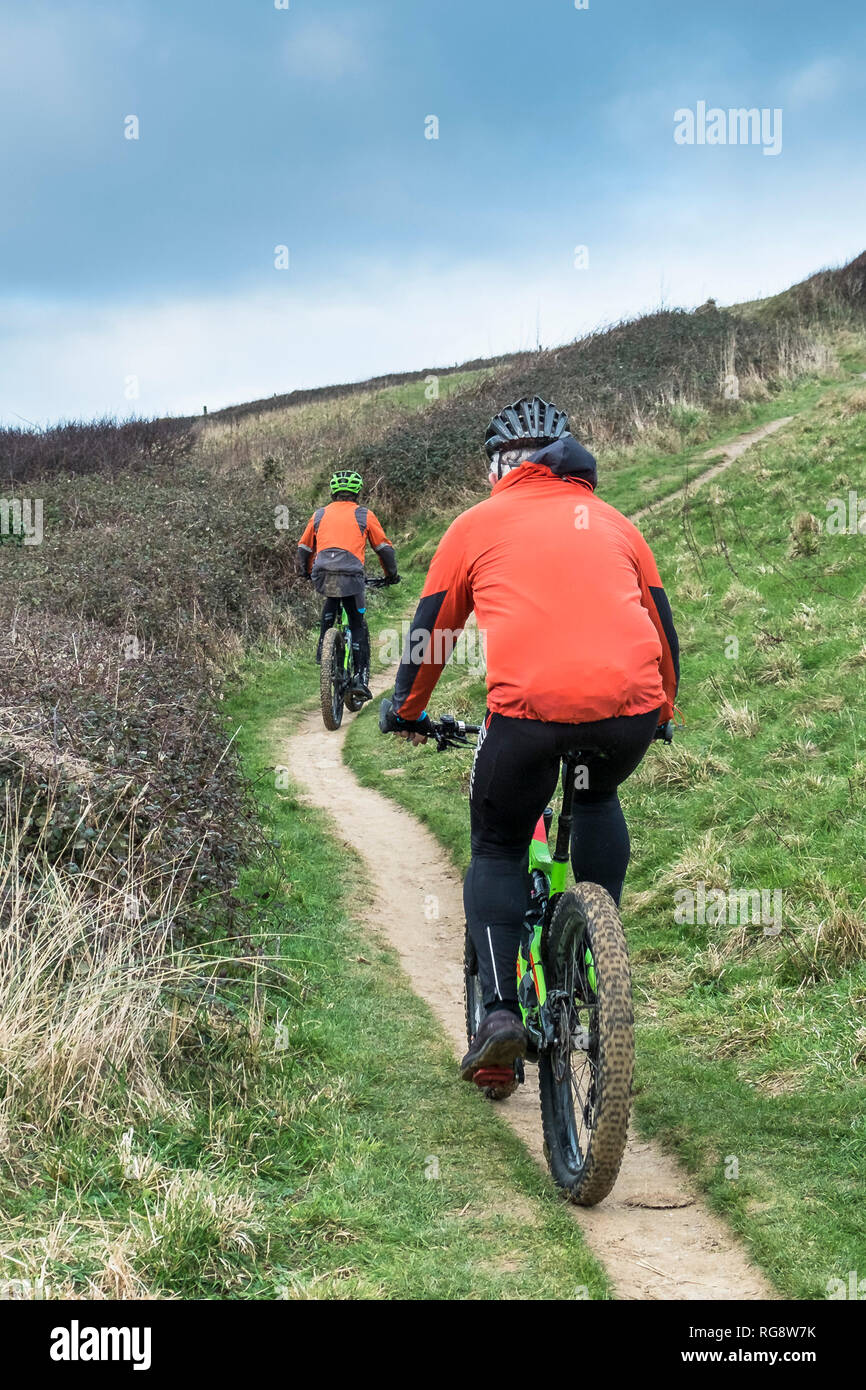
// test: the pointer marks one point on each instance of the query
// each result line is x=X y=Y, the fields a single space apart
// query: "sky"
x=142 y=276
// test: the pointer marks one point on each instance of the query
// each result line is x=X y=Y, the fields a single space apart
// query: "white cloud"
x=326 y=50
x=818 y=81
x=74 y=360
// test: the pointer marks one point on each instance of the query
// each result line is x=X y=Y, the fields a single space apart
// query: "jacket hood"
x=527 y=471
x=567 y=459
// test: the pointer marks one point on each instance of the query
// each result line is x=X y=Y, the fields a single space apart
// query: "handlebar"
x=452 y=733
x=449 y=732
x=377 y=582
x=381 y=581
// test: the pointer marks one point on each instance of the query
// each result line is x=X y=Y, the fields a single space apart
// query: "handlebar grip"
x=387 y=718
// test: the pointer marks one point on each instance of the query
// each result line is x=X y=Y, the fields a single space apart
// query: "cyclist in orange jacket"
x=331 y=553
x=581 y=654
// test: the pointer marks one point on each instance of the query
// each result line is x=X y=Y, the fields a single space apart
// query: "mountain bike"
x=575 y=998
x=337 y=670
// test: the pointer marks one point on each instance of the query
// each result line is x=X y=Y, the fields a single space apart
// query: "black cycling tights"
x=514 y=777
x=357 y=627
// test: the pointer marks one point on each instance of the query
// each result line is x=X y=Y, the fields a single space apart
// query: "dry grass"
x=839 y=937
x=738 y=720
x=807 y=354
x=88 y=976
x=739 y=594
x=703 y=861
x=856 y=659
x=805 y=530
x=855 y=404
x=679 y=767
x=295 y=444
x=780 y=668
x=753 y=387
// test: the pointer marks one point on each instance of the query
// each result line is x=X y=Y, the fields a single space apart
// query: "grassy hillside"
x=166 y=560
x=220 y=1128
x=751 y=1044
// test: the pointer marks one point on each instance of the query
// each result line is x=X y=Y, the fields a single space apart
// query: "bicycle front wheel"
x=332 y=677
x=585 y=1078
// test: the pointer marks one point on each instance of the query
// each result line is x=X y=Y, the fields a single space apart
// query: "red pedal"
x=493 y=1076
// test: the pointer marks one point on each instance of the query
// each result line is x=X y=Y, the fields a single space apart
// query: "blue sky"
x=148 y=265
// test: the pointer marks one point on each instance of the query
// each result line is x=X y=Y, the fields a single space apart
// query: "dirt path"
x=653 y=1234
x=726 y=455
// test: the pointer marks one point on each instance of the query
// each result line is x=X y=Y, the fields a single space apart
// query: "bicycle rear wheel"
x=585 y=1079
x=332 y=677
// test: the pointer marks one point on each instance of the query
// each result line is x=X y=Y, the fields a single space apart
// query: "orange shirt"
x=339 y=530
x=567 y=596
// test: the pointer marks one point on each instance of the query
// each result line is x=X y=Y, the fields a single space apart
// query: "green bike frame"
x=548 y=875
x=547 y=878
x=341 y=622
x=343 y=625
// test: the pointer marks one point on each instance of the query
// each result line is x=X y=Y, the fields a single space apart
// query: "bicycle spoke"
x=574 y=1060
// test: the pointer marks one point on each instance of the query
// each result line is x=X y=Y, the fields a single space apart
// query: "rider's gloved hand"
x=392 y=579
x=420 y=728
x=416 y=730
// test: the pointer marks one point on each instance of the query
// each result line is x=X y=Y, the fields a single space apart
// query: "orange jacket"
x=568 y=598
x=345 y=526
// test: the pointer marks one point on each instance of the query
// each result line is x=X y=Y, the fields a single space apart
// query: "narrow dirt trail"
x=653 y=1234
x=726 y=456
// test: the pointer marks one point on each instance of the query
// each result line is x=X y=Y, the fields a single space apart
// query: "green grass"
x=387 y=1105
x=641 y=474
x=320 y=1143
x=274 y=1153
x=750 y=1047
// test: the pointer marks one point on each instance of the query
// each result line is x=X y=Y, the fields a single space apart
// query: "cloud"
x=75 y=361
x=327 y=51
x=819 y=81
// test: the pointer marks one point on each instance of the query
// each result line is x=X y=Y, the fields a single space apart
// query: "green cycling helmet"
x=346 y=480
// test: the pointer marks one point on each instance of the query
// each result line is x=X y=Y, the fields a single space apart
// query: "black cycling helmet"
x=530 y=421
